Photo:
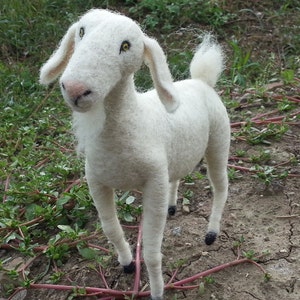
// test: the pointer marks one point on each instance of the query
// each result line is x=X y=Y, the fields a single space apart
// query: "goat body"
x=141 y=140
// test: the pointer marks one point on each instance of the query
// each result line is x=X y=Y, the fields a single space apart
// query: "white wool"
x=141 y=140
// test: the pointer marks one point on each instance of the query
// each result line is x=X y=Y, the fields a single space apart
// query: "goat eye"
x=81 y=32
x=125 y=46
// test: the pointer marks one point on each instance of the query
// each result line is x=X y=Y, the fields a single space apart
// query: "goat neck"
x=121 y=98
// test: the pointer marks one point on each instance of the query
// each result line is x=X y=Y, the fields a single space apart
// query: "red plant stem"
x=130 y=226
x=88 y=290
x=138 y=261
x=103 y=277
x=265 y=114
x=176 y=285
x=42 y=162
x=75 y=182
x=244 y=169
x=255 y=120
x=290 y=98
x=98 y=247
x=210 y=271
x=173 y=276
x=241 y=168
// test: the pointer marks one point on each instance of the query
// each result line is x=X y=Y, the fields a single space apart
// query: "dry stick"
x=256 y=120
x=6 y=185
x=259 y=116
x=98 y=247
x=290 y=98
x=75 y=182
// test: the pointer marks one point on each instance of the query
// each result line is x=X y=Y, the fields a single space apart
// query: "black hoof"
x=130 y=268
x=172 y=210
x=210 y=237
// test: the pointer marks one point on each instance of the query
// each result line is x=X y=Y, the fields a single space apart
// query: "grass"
x=45 y=205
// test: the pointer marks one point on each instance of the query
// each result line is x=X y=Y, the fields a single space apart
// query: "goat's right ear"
x=59 y=59
x=160 y=73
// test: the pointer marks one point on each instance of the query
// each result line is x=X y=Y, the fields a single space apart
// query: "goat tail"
x=208 y=61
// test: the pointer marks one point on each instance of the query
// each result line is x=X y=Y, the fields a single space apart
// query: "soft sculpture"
x=138 y=140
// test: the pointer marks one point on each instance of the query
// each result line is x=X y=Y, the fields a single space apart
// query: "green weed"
x=242 y=67
x=126 y=210
x=168 y=14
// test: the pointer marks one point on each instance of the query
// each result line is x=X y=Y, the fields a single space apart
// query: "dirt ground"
x=266 y=219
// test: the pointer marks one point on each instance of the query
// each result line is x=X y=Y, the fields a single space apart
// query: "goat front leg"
x=155 y=203
x=103 y=197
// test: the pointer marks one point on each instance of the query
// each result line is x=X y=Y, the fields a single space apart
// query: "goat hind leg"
x=217 y=174
x=173 y=186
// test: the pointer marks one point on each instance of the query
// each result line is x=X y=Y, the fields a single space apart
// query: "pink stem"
x=138 y=261
x=265 y=114
x=98 y=247
x=173 y=276
x=75 y=182
x=210 y=271
x=176 y=285
x=103 y=277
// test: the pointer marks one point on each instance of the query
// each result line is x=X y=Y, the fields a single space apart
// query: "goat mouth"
x=79 y=106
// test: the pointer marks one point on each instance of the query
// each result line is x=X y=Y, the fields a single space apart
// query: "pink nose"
x=75 y=90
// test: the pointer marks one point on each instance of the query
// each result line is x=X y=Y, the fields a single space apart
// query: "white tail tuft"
x=208 y=61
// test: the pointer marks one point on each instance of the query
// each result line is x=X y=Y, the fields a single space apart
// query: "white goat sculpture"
x=141 y=140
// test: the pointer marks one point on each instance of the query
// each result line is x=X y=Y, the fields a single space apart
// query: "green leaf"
x=185 y=201
x=128 y=217
x=88 y=253
x=66 y=228
x=130 y=200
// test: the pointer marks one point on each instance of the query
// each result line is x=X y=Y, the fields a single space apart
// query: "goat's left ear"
x=160 y=73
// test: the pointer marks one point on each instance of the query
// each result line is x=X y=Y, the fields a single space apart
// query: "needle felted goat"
x=141 y=140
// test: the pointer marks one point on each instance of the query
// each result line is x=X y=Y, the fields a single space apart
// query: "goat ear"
x=160 y=73
x=59 y=59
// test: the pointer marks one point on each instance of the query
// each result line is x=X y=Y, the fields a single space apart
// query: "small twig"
x=32 y=222
x=287 y=217
x=75 y=182
x=42 y=162
x=98 y=247
x=265 y=114
x=6 y=186
x=281 y=97
x=103 y=277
